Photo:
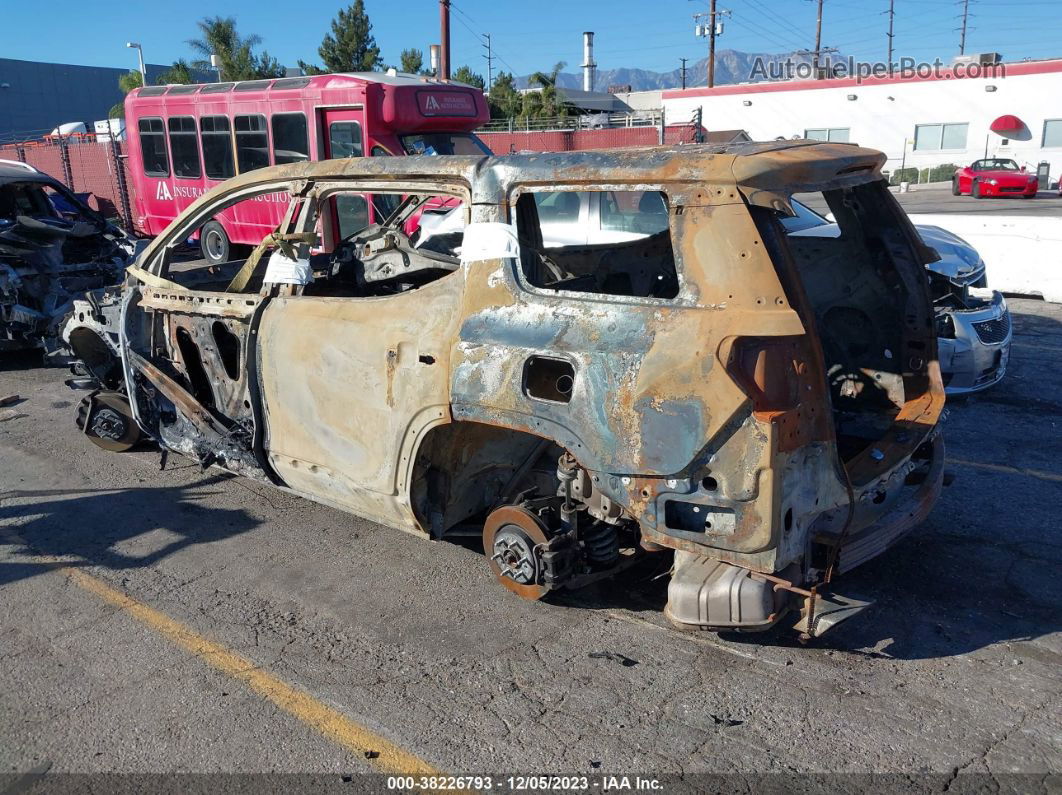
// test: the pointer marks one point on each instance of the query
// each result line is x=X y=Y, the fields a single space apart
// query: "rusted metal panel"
x=346 y=382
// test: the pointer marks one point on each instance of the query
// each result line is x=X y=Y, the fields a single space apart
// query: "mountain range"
x=731 y=66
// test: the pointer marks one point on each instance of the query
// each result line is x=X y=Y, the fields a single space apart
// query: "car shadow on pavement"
x=114 y=528
x=21 y=360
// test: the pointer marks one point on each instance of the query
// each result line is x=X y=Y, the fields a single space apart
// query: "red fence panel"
x=92 y=167
x=576 y=140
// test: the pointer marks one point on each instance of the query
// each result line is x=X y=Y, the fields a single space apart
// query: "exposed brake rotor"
x=510 y=536
x=108 y=421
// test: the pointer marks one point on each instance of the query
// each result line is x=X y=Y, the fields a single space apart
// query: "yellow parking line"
x=1010 y=470
x=332 y=724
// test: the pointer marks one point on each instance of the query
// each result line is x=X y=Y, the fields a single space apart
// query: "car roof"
x=13 y=171
x=766 y=173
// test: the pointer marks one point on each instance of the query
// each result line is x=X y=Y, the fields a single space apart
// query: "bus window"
x=290 y=144
x=153 y=145
x=344 y=139
x=443 y=144
x=217 y=147
x=252 y=143
x=184 y=147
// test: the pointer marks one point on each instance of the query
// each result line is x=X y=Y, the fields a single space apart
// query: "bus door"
x=343 y=135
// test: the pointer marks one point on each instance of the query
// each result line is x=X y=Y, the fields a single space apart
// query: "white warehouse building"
x=919 y=122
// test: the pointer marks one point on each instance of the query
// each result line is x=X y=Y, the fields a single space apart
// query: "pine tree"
x=350 y=47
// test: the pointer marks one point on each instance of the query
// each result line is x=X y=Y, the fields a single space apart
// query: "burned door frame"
x=189 y=355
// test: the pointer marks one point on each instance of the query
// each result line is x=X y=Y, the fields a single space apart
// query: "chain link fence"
x=94 y=167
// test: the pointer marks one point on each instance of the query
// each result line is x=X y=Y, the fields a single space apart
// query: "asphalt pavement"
x=188 y=621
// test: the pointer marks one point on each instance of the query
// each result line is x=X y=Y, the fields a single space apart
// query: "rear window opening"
x=851 y=256
x=604 y=242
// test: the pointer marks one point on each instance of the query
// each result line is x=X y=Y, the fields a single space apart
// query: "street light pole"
x=140 y=55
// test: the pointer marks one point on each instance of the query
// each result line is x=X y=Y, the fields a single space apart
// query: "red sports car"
x=994 y=176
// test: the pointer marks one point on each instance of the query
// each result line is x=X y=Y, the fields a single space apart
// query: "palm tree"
x=126 y=83
x=548 y=102
x=238 y=61
x=180 y=73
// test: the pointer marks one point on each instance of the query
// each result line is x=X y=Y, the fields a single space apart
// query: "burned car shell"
x=973 y=324
x=701 y=422
x=47 y=259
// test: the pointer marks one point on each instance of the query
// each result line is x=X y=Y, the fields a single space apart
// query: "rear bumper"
x=870 y=541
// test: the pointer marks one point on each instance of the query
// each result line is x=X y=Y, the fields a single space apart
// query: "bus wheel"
x=214 y=243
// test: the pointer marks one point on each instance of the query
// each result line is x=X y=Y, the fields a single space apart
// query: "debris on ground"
x=626 y=662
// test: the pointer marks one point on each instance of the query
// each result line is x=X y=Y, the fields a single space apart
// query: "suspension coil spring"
x=600 y=543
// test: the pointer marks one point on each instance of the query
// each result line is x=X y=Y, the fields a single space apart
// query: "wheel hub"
x=515 y=555
x=510 y=536
x=107 y=420
x=108 y=424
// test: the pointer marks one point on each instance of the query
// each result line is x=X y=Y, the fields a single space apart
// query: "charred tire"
x=975 y=190
x=955 y=188
x=214 y=243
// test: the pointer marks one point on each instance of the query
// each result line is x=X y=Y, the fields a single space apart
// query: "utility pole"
x=683 y=73
x=962 y=36
x=892 y=14
x=818 y=42
x=490 y=61
x=711 y=30
x=711 y=44
x=444 y=30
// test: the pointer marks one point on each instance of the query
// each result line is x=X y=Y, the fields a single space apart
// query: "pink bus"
x=185 y=139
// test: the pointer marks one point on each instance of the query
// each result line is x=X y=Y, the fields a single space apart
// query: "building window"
x=835 y=134
x=929 y=137
x=290 y=144
x=217 y=147
x=252 y=143
x=153 y=147
x=1052 y=133
x=184 y=147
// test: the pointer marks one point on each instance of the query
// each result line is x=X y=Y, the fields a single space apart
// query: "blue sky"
x=536 y=34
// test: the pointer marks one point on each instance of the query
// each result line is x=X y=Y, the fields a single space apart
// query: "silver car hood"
x=959 y=261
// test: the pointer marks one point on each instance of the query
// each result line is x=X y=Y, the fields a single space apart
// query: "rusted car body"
x=764 y=406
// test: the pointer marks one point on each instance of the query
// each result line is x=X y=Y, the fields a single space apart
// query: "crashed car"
x=764 y=405
x=52 y=247
x=973 y=324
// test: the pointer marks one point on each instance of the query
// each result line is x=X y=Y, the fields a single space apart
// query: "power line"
x=485 y=37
